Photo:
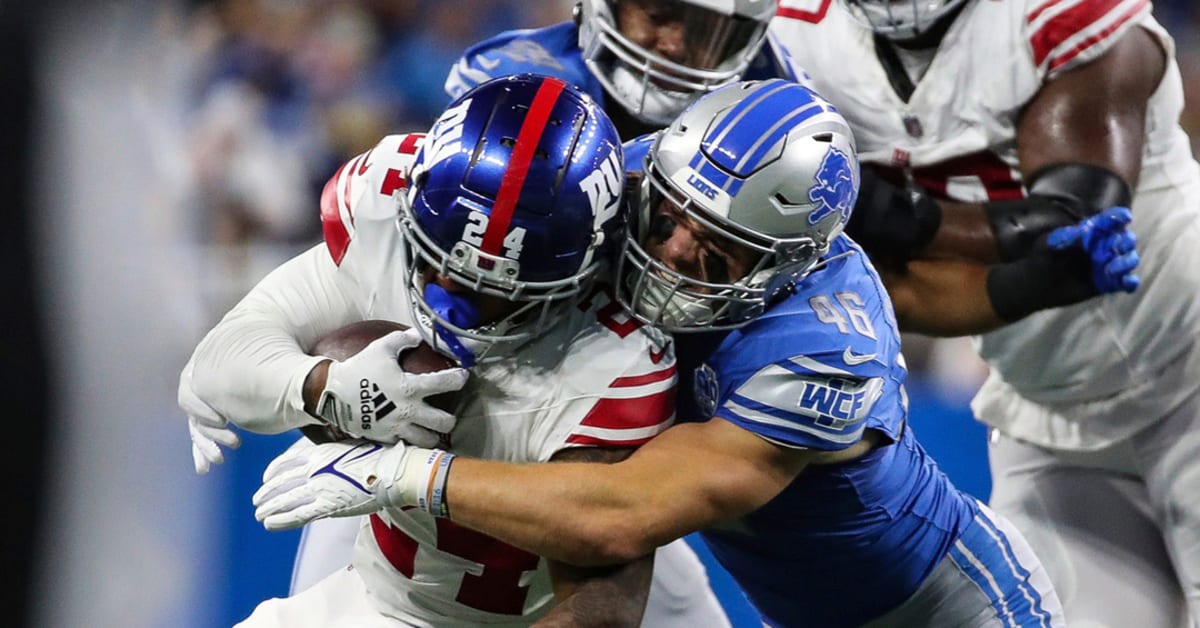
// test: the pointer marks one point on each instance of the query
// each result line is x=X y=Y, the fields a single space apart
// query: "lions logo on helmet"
x=835 y=189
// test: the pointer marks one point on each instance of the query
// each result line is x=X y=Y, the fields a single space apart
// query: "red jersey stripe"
x=641 y=380
x=337 y=236
x=805 y=16
x=518 y=165
x=631 y=414
x=1040 y=10
x=1066 y=57
x=592 y=441
x=1067 y=24
x=397 y=547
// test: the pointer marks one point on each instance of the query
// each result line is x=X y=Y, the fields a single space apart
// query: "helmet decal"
x=512 y=196
x=523 y=152
x=603 y=188
x=834 y=189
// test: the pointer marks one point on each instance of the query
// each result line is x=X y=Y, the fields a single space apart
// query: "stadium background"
x=161 y=157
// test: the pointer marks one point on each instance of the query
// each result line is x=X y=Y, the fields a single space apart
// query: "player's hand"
x=369 y=396
x=1109 y=245
x=343 y=479
x=207 y=428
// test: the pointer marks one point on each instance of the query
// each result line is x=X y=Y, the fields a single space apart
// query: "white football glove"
x=208 y=429
x=346 y=479
x=369 y=396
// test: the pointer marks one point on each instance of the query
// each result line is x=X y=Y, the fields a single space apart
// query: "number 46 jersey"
x=816 y=371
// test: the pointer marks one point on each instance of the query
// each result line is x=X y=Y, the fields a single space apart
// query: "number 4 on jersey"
x=477 y=224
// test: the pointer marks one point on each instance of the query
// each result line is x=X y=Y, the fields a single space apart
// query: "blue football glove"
x=1109 y=245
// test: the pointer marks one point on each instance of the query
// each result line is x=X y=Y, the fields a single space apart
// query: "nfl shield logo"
x=706 y=391
x=913 y=126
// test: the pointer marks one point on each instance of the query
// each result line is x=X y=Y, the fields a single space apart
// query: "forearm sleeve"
x=251 y=367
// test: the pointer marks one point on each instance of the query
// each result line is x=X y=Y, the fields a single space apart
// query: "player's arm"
x=1080 y=146
x=252 y=365
x=598 y=596
x=689 y=477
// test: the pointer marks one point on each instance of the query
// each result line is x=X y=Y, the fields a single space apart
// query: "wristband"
x=420 y=480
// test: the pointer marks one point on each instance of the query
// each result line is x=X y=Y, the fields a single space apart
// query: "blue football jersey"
x=842 y=543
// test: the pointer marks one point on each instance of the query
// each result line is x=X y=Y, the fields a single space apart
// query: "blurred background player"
x=799 y=469
x=1093 y=406
x=645 y=60
x=498 y=247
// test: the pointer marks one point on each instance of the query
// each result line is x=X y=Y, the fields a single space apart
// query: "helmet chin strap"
x=460 y=311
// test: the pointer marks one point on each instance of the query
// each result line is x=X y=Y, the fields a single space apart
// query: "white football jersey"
x=597 y=378
x=1075 y=377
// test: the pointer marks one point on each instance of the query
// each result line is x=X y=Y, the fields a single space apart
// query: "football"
x=340 y=344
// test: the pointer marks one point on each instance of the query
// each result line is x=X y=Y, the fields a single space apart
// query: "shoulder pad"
x=1062 y=35
x=552 y=51
x=363 y=187
x=636 y=150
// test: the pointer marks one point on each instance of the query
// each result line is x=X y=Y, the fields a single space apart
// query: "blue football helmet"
x=514 y=193
x=766 y=165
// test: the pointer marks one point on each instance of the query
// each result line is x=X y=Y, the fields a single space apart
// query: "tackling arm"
x=687 y=478
x=598 y=596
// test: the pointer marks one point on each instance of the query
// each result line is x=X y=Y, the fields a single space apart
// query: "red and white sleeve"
x=1066 y=33
x=377 y=173
x=635 y=409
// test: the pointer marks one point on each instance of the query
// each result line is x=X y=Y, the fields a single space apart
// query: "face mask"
x=658 y=106
x=657 y=303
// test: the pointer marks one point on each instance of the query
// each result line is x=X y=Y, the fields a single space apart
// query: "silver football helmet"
x=767 y=165
x=899 y=19
x=718 y=40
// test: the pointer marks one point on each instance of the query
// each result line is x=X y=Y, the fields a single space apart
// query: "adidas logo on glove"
x=373 y=403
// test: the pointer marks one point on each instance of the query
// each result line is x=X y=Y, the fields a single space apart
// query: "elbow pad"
x=892 y=222
x=1059 y=195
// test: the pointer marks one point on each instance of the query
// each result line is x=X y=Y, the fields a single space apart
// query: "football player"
x=983 y=123
x=799 y=469
x=485 y=237
x=645 y=60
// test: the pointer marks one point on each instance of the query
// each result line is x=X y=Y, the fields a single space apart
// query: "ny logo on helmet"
x=445 y=139
x=603 y=189
x=834 y=189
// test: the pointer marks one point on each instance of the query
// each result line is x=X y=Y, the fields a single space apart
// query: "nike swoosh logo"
x=655 y=358
x=332 y=467
x=854 y=359
x=486 y=63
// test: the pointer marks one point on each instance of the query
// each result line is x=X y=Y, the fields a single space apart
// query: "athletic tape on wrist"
x=434 y=473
